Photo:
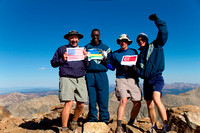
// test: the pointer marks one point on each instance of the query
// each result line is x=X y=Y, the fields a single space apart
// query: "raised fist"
x=153 y=17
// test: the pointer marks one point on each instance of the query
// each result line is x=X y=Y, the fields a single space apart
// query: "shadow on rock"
x=44 y=124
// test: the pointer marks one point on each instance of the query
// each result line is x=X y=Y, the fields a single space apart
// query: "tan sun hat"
x=122 y=37
x=73 y=32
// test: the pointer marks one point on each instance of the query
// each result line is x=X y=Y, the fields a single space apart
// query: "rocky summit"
x=43 y=115
x=183 y=119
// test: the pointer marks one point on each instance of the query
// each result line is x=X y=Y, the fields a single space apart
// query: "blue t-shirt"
x=116 y=62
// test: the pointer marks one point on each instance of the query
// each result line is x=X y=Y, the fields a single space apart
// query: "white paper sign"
x=75 y=54
x=129 y=60
x=95 y=54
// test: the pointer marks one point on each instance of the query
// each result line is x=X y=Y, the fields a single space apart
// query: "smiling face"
x=73 y=40
x=123 y=44
x=141 y=42
x=95 y=36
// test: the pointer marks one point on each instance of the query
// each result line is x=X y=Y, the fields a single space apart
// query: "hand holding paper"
x=104 y=54
x=65 y=55
x=75 y=54
x=85 y=53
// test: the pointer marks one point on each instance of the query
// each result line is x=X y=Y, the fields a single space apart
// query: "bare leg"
x=135 y=110
x=121 y=108
x=160 y=106
x=151 y=111
x=78 y=110
x=66 y=113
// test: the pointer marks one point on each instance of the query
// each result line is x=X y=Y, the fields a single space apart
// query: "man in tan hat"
x=126 y=80
x=72 y=85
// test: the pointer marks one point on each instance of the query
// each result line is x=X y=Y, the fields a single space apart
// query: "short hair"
x=96 y=30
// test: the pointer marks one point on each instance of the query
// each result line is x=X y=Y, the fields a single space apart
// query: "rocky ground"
x=26 y=117
x=183 y=119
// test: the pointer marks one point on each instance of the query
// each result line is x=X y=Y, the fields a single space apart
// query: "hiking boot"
x=119 y=130
x=153 y=129
x=131 y=123
x=165 y=129
x=64 y=130
x=73 y=125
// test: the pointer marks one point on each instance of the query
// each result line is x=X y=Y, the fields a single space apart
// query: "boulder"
x=4 y=112
x=96 y=127
x=184 y=119
x=142 y=125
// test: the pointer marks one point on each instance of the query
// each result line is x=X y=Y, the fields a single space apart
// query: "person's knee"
x=123 y=102
x=150 y=104
x=156 y=96
x=68 y=103
x=80 y=105
x=157 y=100
x=137 y=104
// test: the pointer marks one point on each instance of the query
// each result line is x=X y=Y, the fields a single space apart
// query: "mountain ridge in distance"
x=37 y=104
x=168 y=88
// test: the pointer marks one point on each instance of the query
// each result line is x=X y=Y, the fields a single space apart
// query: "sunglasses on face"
x=95 y=35
x=123 y=40
x=142 y=39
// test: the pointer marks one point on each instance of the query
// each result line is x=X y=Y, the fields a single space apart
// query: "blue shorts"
x=153 y=84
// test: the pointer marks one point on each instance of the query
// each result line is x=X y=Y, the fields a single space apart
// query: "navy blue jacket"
x=116 y=62
x=71 y=69
x=151 y=58
x=95 y=65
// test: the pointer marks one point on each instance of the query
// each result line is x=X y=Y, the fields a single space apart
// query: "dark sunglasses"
x=142 y=39
x=95 y=35
x=123 y=40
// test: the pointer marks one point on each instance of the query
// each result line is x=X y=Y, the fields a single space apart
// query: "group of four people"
x=73 y=86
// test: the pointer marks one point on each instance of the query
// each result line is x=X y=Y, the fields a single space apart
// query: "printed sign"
x=75 y=54
x=95 y=54
x=129 y=60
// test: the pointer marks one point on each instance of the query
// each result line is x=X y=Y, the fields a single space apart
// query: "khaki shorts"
x=72 y=89
x=127 y=88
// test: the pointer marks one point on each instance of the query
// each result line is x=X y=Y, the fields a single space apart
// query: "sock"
x=131 y=121
x=64 y=128
x=119 y=123
x=73 y=121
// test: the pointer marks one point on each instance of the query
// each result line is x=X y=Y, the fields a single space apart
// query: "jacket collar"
x=94 y=43
x=141 y=48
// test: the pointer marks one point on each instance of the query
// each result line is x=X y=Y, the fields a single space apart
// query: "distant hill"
x=25 y=94
x=188 y=98
x=43 y=104
x=181 y=86
x=15 y=97
x=33 y=106
x=174 y=88
x=39 y=91
x=178 y=88
x=29 y=98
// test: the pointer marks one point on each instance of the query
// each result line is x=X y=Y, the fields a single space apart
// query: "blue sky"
x=32 y=30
